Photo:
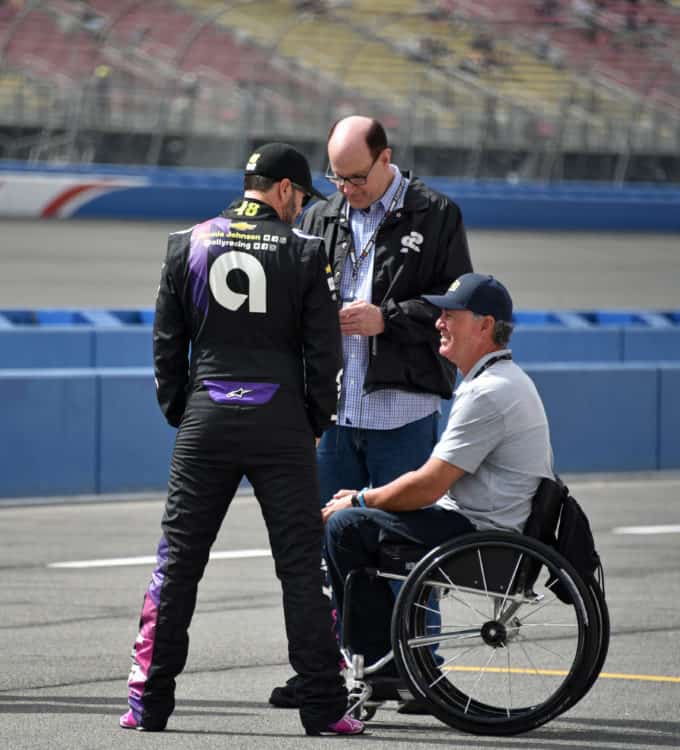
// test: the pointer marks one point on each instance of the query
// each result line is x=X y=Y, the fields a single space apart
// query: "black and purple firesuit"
x=247 y=350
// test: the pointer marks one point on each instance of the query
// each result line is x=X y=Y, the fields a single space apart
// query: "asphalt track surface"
x=82 y=263
x=66 y=632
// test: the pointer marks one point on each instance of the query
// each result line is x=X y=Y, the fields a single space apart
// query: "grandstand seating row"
x=632 y=42
x=153 y=45
x=154 y=28
x=452 y=67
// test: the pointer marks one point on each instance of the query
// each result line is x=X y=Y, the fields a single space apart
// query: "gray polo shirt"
x=498 y=434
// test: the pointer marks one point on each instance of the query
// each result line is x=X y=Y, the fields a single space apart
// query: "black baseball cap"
x=478 y=293
x=280 y=160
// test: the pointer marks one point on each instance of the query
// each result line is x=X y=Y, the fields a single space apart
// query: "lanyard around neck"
x=356 y=261
x=492 y=361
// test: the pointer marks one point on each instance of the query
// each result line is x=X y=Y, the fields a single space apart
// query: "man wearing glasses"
x=390 y=239
x=246 y=353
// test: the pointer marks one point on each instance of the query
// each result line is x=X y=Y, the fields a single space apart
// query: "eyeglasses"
x=306 y=197
x=357 y=180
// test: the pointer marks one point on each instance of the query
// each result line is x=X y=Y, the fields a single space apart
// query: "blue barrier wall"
x=122 y=338
x=655 y=344
x=135 y=443
x=112 y=192
x=669 y=417
x=46 y=347
x=127 y=347
x=85 y=431
x=612 y=401
x=602 y=418
x=81 y=432
x=554 y=344
x=48 y=433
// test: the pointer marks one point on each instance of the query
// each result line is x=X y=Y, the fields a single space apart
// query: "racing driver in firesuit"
x=247 y=349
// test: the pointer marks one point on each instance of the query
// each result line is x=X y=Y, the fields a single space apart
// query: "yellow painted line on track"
x=639 y=677
x=563 y=672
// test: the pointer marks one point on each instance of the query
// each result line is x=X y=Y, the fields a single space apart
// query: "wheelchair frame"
x=489 y=597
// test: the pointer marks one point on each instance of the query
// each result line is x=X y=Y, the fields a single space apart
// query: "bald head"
x=356 y=131
x=357 y=148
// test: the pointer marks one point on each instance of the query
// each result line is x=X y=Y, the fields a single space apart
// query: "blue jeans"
x=352 y=458
x=355 y=457
x=352 y=538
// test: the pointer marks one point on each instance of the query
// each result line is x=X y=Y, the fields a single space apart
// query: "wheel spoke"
x=492 y=656
x=426 y=608
x=459 y=598
x=511 y=583
x=538 y=608
x=450 y=660
x=486 y=588
x=537 y=644
x=535 y=669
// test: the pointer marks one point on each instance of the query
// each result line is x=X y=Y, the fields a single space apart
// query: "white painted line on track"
x=665 y=529
x=115 y=562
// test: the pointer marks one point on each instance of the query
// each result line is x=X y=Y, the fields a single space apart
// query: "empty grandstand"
x=549 y=89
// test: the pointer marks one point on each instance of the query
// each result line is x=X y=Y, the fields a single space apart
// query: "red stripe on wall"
x=55 y=205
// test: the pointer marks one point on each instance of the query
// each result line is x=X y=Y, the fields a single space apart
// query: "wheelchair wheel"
x=600 y=646
x=496 y=656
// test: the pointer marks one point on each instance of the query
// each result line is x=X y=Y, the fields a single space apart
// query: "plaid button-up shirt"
x=387 y=408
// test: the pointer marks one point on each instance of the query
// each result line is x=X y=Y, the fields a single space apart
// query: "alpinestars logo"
x=411 y=241
x=239 y=393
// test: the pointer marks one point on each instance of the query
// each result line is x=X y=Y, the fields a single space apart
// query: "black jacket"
x=266 y=313
x=420 y=249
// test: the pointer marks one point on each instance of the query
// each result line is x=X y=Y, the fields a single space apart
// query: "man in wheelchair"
x=482 y=474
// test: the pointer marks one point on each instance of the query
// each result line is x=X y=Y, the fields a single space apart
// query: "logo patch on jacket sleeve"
x=411 y=241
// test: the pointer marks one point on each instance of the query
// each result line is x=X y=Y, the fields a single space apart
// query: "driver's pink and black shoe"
x=343 y=726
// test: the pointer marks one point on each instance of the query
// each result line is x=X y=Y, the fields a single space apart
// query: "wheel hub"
x=494 y=633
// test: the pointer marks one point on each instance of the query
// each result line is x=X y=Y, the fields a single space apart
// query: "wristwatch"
x=357 y=499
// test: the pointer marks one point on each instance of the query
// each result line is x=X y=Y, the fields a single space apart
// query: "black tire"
x=475 y=577
x=598 y=655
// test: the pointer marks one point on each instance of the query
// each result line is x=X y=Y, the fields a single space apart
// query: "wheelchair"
x=480 y=635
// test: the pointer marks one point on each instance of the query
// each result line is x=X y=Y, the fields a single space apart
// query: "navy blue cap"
x=478 y=293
